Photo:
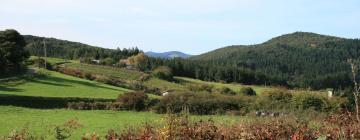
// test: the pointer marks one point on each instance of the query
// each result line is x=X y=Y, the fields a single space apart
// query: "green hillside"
x=55 y=84
x=299 y=59
x=73 y=50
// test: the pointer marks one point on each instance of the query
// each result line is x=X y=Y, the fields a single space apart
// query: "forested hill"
x=297 y=39
x=73 y=50
x=299 y=59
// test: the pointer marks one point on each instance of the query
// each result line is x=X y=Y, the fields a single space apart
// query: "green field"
x=52 y=60
x=120 y=73
x=41 y=122
x=55 y=84
x=182 y=85
x=234 y=87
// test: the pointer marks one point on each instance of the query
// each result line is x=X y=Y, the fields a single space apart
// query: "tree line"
x=74 y=50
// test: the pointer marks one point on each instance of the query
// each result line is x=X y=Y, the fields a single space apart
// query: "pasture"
x=120 y=73
x=42 y=122
x=54 y=84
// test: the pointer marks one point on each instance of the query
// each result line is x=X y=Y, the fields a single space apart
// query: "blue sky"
x=191 y=26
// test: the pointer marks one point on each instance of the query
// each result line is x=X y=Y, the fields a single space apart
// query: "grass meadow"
x=43 y=121
x=55 y=84
x=106 y=70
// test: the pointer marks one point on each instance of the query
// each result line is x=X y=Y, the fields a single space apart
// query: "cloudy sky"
x=191 y=26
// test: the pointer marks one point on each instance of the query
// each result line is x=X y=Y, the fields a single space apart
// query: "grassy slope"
x=60 y=85
x=155 y=82
x=106 y=70
x=164 y=85
x=234 y=87
x=100 y=121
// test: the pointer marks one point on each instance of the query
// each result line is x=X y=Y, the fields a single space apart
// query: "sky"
x=190 y=26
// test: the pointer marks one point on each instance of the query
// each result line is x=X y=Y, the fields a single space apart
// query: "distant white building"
x=94 y=61
x=330 y=92
x=165 y=93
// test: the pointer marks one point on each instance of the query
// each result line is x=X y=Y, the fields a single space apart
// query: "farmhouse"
x=95 y=61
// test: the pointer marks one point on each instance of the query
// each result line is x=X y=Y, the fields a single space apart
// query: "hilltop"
x=299 y=59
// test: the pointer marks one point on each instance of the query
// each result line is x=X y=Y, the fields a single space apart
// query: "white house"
x=94 y=61
x=165 y=93
x=330 y=92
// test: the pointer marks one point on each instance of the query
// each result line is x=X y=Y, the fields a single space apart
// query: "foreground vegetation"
x=42 y=122
x=114 y=125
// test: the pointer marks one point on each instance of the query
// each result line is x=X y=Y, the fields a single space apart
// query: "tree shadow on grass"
x=44 y=102
x=11 y=89
x=48 y=83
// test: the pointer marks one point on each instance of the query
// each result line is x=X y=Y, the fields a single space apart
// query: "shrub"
x=201 y=103
x=40 y=62
x=107 y=61
x=65 y=131
x=163 y=72
x=226 y=90
x=133 y=100
x=313 y=102
x=89 y=76
x=136 y=85
x=248 y=91
x=95 y=106
x=72 y=72
x=280 y=96
x=274 y=99
x=308 y=101
x=200 y=87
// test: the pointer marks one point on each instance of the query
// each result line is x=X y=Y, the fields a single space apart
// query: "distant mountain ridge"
x=168 y=55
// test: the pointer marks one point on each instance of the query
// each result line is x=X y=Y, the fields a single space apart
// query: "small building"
x=330 y=92
x=167 y=92
x=94 y=61
x=164 y=93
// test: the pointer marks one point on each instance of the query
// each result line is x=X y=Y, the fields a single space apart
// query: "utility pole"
x=38 y=53
x=45 y=53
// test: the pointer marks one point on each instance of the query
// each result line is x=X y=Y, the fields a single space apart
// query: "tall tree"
x=12 y=52
x=356 y=91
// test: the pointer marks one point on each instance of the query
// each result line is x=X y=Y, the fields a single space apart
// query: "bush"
x=89 y=76
x=107 y=61
x=248 y=91
x=313 y=102
x=163 y=72
x=307 y=101
x=39 y=62
x=226 y=90
x=201 y=103
x=72 y=72
x=133 y=100
x=95 y=106
x=47 y=102
x=281 y=96
x=200 y=87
